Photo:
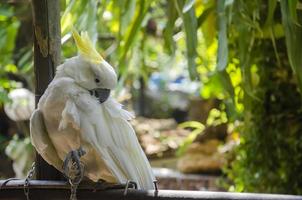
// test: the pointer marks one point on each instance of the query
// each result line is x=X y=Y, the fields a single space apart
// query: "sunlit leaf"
x=192 y=124
x=132 y=33
x=10 y=68
x=218 y=86
x=187 y=141
x=209 y=31
x=190 y=26
x=204 y=16
x=66 y=19
x=226 y=82
x=188 y=5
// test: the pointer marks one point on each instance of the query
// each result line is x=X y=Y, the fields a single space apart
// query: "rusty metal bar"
x=50 y=190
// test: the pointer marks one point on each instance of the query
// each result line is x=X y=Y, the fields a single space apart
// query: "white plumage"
x=69 y=117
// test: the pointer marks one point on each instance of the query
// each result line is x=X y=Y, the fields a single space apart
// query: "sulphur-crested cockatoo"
x=76 y=112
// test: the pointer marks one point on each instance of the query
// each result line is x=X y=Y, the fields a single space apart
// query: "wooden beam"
x=47 y=40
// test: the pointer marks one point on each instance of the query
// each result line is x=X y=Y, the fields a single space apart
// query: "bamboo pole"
x=47 y=40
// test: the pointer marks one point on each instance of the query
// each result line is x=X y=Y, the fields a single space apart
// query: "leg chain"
x=74 y=170
x=27 y=179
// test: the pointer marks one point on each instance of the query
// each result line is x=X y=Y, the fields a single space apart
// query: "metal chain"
x=27 y=179
x=73 y=169
x=73 y=192
x=75 y=181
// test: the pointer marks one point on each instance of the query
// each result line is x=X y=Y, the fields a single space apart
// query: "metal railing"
x=50 y=190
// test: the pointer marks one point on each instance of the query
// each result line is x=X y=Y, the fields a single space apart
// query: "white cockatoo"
x=76 y=111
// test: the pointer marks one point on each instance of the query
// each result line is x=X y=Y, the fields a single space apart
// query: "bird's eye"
x=97 y=80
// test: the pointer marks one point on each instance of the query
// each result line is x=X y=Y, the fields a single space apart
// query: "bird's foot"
x=72 y=167
x=155 y=185
x=130 y=184
x=74 y=170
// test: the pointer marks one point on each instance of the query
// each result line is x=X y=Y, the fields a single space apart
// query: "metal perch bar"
x=37 y=184
x=60 y=190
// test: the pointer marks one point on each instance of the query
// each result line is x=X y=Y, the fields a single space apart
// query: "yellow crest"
x=85 y=47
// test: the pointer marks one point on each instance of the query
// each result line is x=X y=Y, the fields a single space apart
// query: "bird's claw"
x=74 y=170
x=72 y=167
x=155 y=185
x=129 y=184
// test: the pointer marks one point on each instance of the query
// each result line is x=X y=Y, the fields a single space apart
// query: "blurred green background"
x=216 y=84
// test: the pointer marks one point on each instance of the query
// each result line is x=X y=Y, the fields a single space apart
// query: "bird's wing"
x=106 y=128
x=125 y=151
x=41 y=141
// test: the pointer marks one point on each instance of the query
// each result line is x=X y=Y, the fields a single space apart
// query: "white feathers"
x=123 y=151
x=41 y=141
x=116 y=111
x=68 y=117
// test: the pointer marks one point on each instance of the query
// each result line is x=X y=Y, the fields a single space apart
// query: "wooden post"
x=47 y=40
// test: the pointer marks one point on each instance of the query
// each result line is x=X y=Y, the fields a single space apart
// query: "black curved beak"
x=101 y=94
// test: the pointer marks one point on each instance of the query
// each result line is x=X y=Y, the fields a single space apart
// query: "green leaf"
x=292 y=5
x=192 y=124
x=202 y=18
x=188 y=5
x=222 y=56
x=132 y=33
x=271 y=11
x=127 y=11
x=6 y=11
x=190 y=25
x=188 y=140
x=269 y=24
x=293 y=37
x=88 y=20
x=218 y=86
x=10 y=68
x=169 y=28
x=4 y=97
x=226 y=82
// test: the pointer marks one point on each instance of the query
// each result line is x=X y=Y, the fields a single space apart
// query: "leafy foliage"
x=272 y=103
x=293 y=33
x=8 y=29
